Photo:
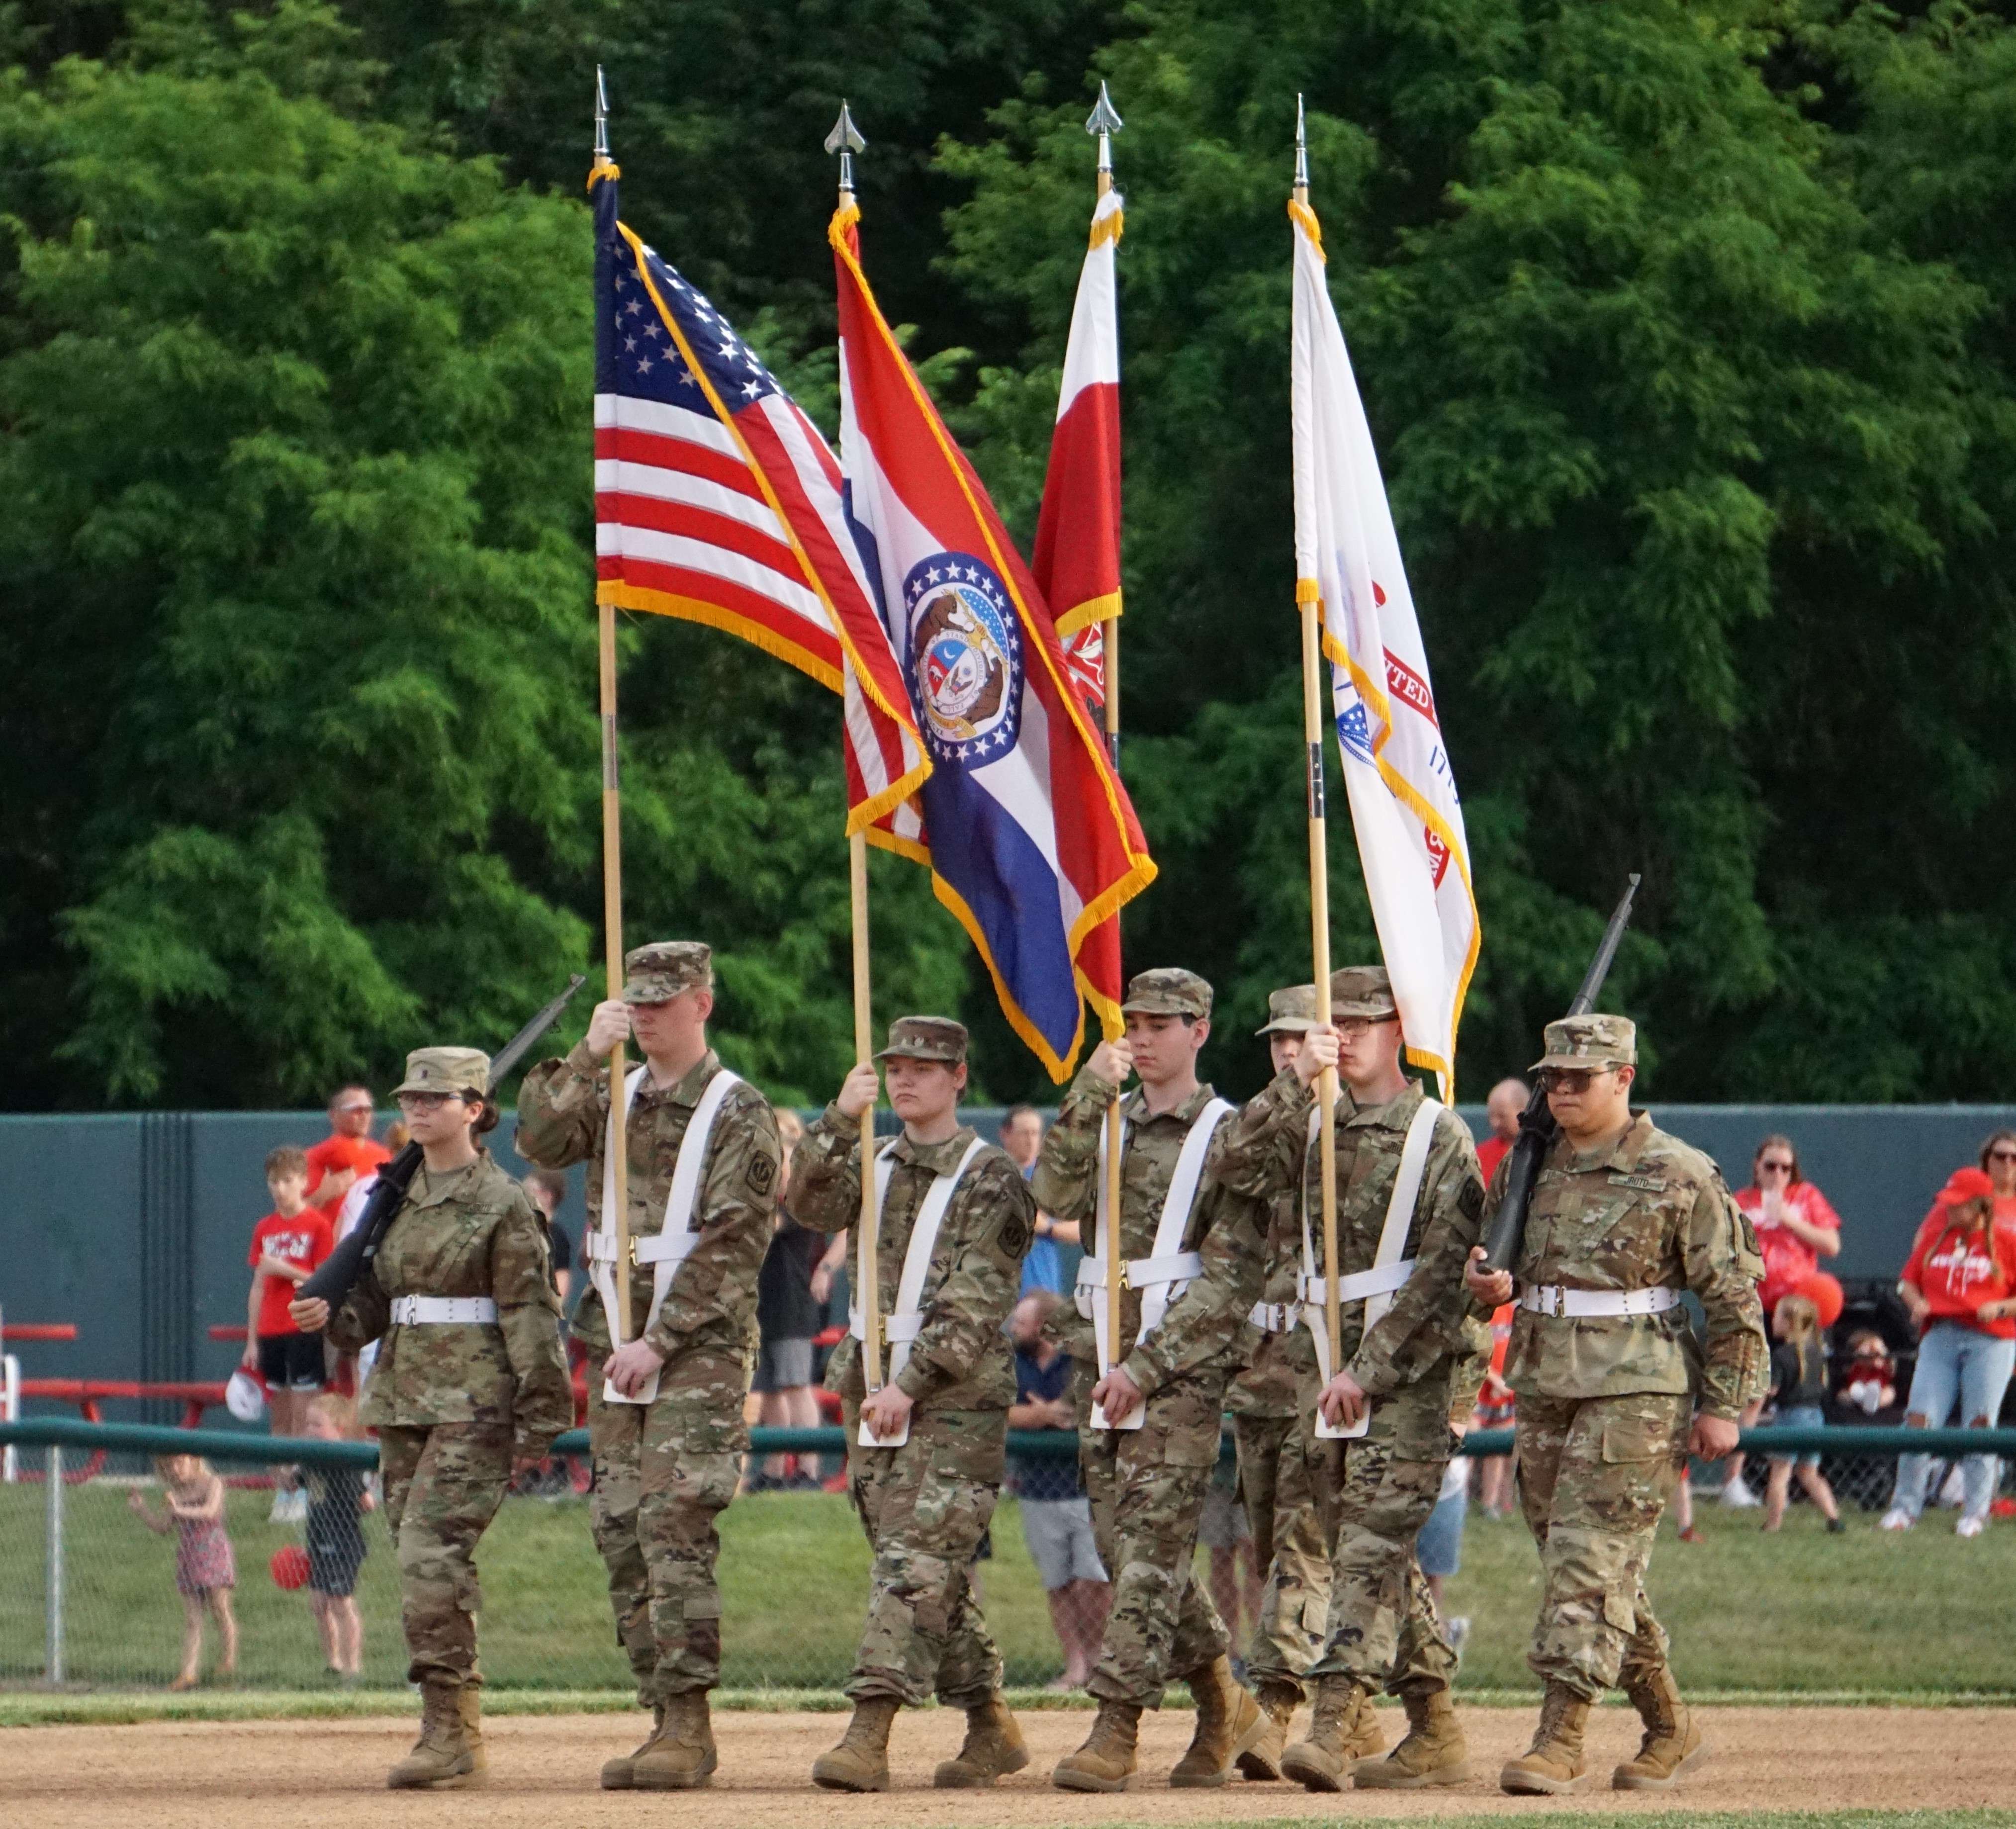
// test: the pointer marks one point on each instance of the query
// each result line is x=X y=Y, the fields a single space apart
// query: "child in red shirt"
x=288 y=1245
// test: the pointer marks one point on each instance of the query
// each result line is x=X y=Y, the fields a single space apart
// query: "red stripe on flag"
x=723 y=531
x=652 y=452
x=1077 y=554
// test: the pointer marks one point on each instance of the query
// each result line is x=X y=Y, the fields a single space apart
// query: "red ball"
x=1824 y=1293
x=289 y=1567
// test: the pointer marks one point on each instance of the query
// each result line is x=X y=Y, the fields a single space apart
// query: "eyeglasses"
x=1350 y=1028
x=425 y=1101
x=1572 y=1079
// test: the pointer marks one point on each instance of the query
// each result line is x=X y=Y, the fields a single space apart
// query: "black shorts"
x=291 y=1362
x=332 y=1568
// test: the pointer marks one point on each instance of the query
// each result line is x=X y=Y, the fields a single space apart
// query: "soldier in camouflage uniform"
x=1274 y=1472
x=1614 y=1391
x=924 y=1500
x=1420 y=1357
x=1147 y=1485
x=469 y=1386
x=665 y=1469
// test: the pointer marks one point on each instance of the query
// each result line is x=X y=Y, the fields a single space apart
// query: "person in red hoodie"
x=1959 y=1284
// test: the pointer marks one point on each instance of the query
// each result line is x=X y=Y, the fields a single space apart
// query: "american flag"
x=717 y=500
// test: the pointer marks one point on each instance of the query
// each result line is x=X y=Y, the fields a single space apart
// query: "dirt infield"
x=224 y=1775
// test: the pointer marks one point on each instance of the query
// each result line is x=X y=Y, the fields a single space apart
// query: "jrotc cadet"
x=956 y=1219
x=701 y=1174
x=469 y=1388
x=1410 y=1207
x=1613 y=1391
x=1147 y=1484
x=1274 y=1473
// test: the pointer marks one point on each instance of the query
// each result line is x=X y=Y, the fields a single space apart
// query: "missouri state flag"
x=1401 y=787
x=1029 y=835
x=717 y=500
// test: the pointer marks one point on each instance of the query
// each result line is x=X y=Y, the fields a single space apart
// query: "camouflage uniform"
x=665 y=1471
x=455 y=1403
x=1147 y=1485
x=925 y=1505
x=1605 y=1403
x=1379 y=1489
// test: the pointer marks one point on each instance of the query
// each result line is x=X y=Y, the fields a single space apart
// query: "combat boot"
x=441 y=1759
x=1228 y=1722
x=1673 y=1743
x=616 y=1774
x=681 y=1755
x=1344 y=1732
x=861 y=1761
x=1279 y=1700
x=994 y=1748
x=472 y=1726
x=1107 y=1759
x=1433 y=1753
x=1555 y=1762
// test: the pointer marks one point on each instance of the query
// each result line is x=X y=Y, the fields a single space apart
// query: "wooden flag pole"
x=1308 y=599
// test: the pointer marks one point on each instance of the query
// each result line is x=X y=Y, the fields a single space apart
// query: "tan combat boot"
x=994 y=1748
x=681 y=1755
x=1279 y=1700
x=861 y=1761
x=617 y=1774
x=441 y=1759
x=1555 y=1763
x=1344 y=1732
x=472 y=1726
x=1673 y=1743
x=1228 y=1721
x=1107 y=1760
x=1433 y=1753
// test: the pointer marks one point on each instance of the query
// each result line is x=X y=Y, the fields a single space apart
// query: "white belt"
x=660 y=1247
x=1142 y=1272
x=1548 y=1298
x=895 y=1328
x=1382 y=1279
x=468 y=1311
x=1275 y=1317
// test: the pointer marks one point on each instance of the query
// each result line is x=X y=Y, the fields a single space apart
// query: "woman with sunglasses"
x=1796 y=1227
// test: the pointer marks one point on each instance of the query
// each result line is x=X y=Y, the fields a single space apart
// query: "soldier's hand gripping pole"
x=1536 y=1122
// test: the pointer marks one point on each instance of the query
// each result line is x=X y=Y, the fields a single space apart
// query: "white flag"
x=1402 y=790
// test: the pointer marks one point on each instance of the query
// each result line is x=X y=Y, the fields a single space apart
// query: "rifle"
x=1537 y=1127
x=341 y=1269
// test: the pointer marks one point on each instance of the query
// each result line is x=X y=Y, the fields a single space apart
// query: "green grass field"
x=1801 y=1613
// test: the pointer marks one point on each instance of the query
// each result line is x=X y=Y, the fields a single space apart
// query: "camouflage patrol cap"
x=1363 y=991
x=445 y=1070
x=658 y=973
x=1167 y=991
x=926 y=1038
x=1292 y=1012
x=1590 y=1041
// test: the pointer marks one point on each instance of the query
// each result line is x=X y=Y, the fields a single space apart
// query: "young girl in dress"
x=206 y=1571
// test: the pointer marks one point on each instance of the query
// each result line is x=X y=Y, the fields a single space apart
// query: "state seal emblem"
x=964 y=658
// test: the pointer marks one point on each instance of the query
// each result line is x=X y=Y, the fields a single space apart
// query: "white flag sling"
x=673 y=1243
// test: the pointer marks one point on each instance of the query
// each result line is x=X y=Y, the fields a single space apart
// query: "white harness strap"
x=673 y=1243
x=1375 y=1286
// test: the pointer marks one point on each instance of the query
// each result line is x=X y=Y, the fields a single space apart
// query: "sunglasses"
x=2002 y=1155
x=1572 y=1079
x=1786 y=1168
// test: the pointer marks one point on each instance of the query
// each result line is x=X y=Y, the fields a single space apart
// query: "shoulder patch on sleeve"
x=1469 y=1203
x=761 y=1172
x=1013 y=1237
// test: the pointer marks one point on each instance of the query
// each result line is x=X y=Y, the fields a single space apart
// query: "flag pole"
x=1309 y=601
x=1104 y=122
x=845 y=139
x=612 y=881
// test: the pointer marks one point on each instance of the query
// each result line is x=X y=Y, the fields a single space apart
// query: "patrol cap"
x=1590 y=1042
x=658 y=973
x=1364 y=991
x=1292 y=1012
x=445 y=1070
x=1167 y=991
x=926 y=1038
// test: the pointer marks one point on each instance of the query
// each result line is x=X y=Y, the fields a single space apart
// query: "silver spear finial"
x=1301 y=154
x=1104 y=119
x=601 y=119
x=846 y=140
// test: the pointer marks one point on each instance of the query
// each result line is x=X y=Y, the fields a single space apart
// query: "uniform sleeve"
x=363 y=1317
x=1265 y=1141
x=1066 y=1183
x=991 y=1221
x=562 y=1112
x=1425 y=1323
x=734 y=1214
x=528 y=1313
x=1207 y=1324
x=825 y=1172
x=1723 y=1269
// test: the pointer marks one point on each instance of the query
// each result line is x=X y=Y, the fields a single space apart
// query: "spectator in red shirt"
x=1959 y=1284
x=1501 y=1108
x=287 y=1246
x=347 y=1153
x=1998 y=1163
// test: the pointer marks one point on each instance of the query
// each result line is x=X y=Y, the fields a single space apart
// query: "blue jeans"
x=1962 y=1363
